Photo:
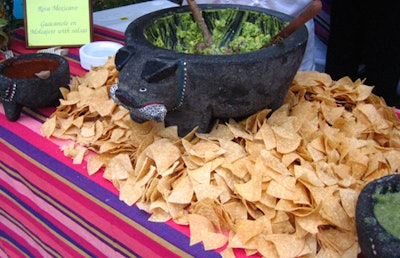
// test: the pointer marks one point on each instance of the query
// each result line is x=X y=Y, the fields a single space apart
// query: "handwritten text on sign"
x=57 y=22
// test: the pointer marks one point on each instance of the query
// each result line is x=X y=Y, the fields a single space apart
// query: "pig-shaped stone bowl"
x=193 y=90
x=33 y=81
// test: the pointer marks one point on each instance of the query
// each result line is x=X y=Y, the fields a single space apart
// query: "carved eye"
x=142 y=89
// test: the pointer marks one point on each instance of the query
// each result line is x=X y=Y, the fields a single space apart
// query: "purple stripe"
x=40 y=217
x=60 y=167
x=173 y=236
x=28 y=191
x=16 y=223
x=74 y=57
x=14 y=242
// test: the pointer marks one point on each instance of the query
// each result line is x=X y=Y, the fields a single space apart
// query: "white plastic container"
x=97 y=53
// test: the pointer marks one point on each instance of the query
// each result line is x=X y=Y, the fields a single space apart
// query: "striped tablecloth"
x=50 y=207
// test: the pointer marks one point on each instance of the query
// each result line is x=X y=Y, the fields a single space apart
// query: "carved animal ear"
x=122 y=57
x=157 y=70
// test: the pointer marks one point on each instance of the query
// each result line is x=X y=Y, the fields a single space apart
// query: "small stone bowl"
x=32 y=80
x=373 y=239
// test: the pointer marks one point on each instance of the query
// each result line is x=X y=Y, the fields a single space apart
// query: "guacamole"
x=233 y=31
x=387 y=211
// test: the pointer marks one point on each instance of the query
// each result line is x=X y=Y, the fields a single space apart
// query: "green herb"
x=387 y=211
x=233 y=31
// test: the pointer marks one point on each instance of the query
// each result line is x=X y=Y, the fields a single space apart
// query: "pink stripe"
x=3 y=248
x=30 y=243
x=8 y=245
x=111 y=32
x=36 y=138
x=39 y=142
x=8 y=249
x=55 y=244
x=103 y=33
x=29 y=130
x=87 y=209
x=20 y=128
x=57 y=218
x=11 y=251
x=71 y=199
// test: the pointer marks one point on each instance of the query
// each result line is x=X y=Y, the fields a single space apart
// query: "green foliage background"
x=106 y=4
x=98 y=5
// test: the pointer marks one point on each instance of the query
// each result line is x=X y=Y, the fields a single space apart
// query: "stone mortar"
x=192 y=90
x=20 y=87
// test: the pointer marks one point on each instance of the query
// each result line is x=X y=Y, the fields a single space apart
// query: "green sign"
x=58 y=22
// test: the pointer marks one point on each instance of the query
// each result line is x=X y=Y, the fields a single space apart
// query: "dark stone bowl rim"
x=32 y=56
x=134 y=35
x=365 y=213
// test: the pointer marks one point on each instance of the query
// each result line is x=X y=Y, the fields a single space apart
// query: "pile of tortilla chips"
x=282 y=186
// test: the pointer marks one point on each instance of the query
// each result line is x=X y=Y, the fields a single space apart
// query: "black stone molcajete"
x=190 y=90
x=373 y=239
x=20 y=86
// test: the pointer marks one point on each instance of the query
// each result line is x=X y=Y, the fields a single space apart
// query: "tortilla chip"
x=284 y=185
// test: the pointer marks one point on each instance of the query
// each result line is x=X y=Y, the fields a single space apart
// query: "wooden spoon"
x=310 y=12
x=196 y=12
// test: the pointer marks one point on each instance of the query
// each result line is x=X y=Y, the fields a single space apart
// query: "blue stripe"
x=39 y=193
x=76 y=218
x=15 y=243
x=74 y=57
x=173 y=236
x=27 y=230
x=162 y=230
x=43 y=220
